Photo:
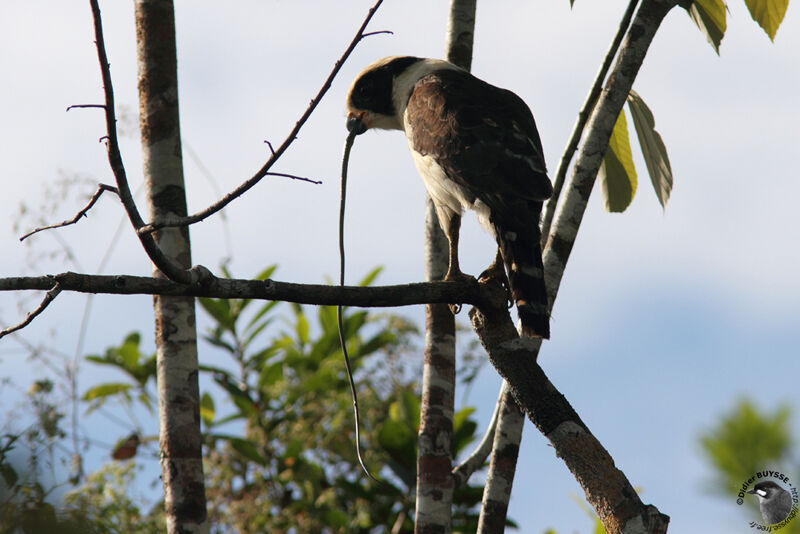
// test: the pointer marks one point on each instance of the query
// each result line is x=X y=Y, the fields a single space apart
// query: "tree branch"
x=468 y=292
x=101 y=188
x=570 y=211
x=48 y=298
x=477 y=457
x=583 y=117
x=276 y=153
x=606 y=487
x=166 y=264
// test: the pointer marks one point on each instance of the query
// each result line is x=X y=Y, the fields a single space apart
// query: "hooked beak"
x=355 y=122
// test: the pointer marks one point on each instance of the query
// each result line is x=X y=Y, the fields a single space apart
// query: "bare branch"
x=166 y=264
x=48 y=298
x=276 y=153
x=294 y=177
x=466 y=291
x=606 y=487
x=101 y=188
x=73 y=106
x=379 y=32
x=477 y=458
x=583 y=118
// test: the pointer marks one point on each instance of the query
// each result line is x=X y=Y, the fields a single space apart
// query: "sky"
x=665 y=317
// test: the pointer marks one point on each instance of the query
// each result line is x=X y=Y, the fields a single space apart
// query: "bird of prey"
x=475 y=146
x=774 y=501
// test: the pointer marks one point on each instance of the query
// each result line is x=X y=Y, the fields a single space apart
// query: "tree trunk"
x=434 y=456
x=175 y=335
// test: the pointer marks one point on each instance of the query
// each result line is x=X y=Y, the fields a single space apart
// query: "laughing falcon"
x=475 y=146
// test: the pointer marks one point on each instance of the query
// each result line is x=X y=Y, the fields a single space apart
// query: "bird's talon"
x=455 y=308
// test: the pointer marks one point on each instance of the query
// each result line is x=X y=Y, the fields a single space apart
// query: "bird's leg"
x=497 y=271
x=453 y=271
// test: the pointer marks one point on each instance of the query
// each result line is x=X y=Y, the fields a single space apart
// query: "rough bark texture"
x=502 y=466
x=434 y=457
x=176 y=336
x=606 y=487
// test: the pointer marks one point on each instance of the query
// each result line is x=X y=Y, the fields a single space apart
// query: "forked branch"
x=276 y=153
x=101 y=188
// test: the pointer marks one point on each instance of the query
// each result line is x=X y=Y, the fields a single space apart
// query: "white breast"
x=449 y=197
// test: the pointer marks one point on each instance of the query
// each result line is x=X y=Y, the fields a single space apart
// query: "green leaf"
x=710 y=17
x=371 y=276
x=653 y=149
x=220 y=311
x=617 y=173
x=768 y=14
x=105 y=390
x=207 y=408
x=9 y=475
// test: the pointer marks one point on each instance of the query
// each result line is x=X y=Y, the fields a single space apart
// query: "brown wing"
x=483 y=137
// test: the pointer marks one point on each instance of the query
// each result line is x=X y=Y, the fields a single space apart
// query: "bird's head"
x=372 y=101
x=765 y=490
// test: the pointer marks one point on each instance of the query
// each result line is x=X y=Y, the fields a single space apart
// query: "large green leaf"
x=710 y=17
x=653 y=149
x=768 y=13
x=617 y=173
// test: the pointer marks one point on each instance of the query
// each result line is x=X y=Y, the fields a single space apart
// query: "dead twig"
x=48 y=298
x=73 y=106
x=294 y=177
x=276 y=153
x=101 y=188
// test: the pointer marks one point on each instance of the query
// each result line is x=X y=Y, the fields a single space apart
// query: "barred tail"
x=522 y=255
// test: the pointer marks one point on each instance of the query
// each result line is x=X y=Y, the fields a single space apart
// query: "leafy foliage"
x=279 y=430
x=617 y=176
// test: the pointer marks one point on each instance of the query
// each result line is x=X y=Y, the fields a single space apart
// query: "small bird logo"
x=774 y=501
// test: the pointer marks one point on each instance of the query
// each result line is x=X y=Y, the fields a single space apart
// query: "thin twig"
x=277 y=153
x=166 y=264
x=101 y=106
x=294 y=177
x=583 y=118
x=369 y=34
x=101 y=188
x=477 y=458
x=48 y=298
x=270 y=147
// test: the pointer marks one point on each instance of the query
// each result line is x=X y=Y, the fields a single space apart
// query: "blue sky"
x=664 y=318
